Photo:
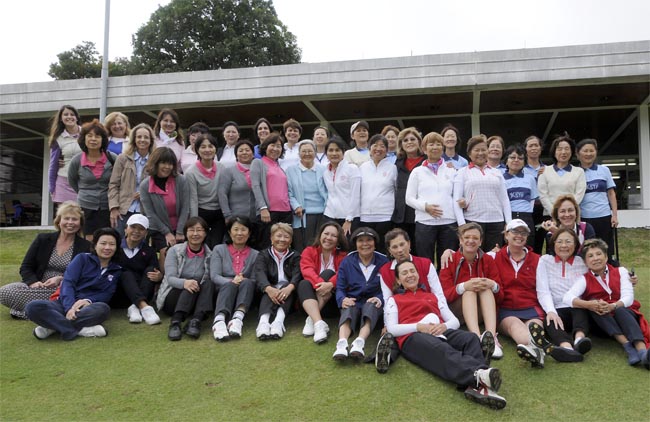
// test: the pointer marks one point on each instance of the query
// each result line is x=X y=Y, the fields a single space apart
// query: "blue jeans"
x=50 y=314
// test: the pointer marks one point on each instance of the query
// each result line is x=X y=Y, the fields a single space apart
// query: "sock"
x=265 y=318
x=362 y=341
x=279 y=316
x=239 y=315
x=219 y=317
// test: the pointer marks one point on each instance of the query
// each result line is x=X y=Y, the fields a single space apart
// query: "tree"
x=189 y=35
x=83 y=61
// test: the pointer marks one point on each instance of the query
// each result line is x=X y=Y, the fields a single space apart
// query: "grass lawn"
x=137 y=374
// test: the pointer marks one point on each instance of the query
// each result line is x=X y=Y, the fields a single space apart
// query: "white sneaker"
x=234 y=327
x=149 y=315
x=321 y=329
x=490 y=378
x=341 y=352
x=498 y=350
x=263 y=331
x=94 y=331
x=42 y=333
x=134 y=314
x=220 y=331
x=356 y=351
x=308 y=330
x=277 y=330
x=532 y=354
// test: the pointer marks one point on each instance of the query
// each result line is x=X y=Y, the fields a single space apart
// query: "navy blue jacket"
x=351 y=282
x=83 y=279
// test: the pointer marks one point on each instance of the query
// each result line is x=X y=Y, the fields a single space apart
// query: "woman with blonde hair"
x=118 y=128
x=128 y=172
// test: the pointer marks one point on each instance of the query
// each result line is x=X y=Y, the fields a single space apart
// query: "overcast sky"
x=33 y=32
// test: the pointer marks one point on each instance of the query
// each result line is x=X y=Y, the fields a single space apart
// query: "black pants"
x=574 y=320
x=431 y=241
x=232 y=296
x=217 y=225
x=540 y=233
x=132 y=289
x=181 y=302
x=455 y=359
x=603 y=228
x=528 y=219
x=623 y=321
x=492 y=234
x=268 y=307
x=306 y=291
x=304 y=236
x=264 y=229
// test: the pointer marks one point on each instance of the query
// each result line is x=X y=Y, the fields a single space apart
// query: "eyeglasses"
x=195 y=230
x=409 y=140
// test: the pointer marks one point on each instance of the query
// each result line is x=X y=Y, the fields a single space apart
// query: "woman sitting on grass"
x=358 y=293
x=607 y=293
x=88 y=284
x=186 y=288
x=434 y=343
x=231 y=271
x=319 y=264
x=277 y=273
x=46 y=260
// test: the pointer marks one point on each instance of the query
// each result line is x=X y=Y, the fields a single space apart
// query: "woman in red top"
x=517 y=265
x=319 y=264
x=471 y=284
x=607 y=293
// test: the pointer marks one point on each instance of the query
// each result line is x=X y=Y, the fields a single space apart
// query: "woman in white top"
x=566 y=327
x=430 y=193
x=321 y=136
x=63 y=146
x=359 y=134
x=378 y=184
x=343 y=183
x=482 y=192
x=168 y=133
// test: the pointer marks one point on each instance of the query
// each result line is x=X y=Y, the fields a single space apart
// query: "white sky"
x=33 y=32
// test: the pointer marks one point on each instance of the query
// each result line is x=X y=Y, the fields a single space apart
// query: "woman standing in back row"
x=63 y=146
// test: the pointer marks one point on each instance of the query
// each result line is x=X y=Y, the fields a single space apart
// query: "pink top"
x=238 y=258
x=97 y=167
x=199 y=254
x=277 y=188
x=209 y=173
x=169 y=198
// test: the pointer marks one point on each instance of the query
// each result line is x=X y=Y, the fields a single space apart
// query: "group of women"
x=280 y=219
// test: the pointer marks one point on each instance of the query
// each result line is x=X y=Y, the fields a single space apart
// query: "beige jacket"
x=121 y=187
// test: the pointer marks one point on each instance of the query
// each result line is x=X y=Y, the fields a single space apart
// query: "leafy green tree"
x=189 y=35
x=83 y=61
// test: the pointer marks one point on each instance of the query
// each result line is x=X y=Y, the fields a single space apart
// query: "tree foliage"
x=83 y=61
x=189 y=35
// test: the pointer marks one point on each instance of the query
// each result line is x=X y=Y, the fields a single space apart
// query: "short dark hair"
x=198 y=127
x=244 y=142
x=587 y=141
x=530 y=138
x=394 y=234
x=106 y=231
x=336 y=140
x=291 y=123
x=517 y=149
x=562 y=138
x=574 y=235
x=273 y=138
x=202 y=137
x=378 y=138
x=453 y=128
x=193 y=221
x=97 y=128
x=230 y=123
x=161 y=155
x=474 y=141
x=364 y=231
x=257 y=125
x=244 y=221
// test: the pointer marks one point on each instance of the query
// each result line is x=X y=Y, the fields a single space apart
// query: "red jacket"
x=421 y=264
x=412 y=307
x=519 y=289
x=459 y=271
x=310 y=264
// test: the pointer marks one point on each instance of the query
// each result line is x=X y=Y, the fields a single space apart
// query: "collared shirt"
x=130 y=253
x=522 y=191
x=238 y=257
x=140 y=163
x=595 y=204
x=458 y=161
x=485 y=192
x=190 y=254
x=97 y=167
x=554 y=278
x=561 y=170
x=277 y=188
x=228 y=155
x=279 y=258
x=291 y=156
x=392 y=156
x=533 y=171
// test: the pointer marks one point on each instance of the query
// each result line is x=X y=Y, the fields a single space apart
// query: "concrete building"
x=599 y=91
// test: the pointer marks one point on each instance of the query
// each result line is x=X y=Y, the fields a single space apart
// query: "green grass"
x=137 y=374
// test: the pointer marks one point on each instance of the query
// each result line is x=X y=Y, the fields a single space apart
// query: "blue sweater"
x=83 y=279
x=351 y=282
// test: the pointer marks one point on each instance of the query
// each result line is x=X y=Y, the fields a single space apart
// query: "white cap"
x=516 y=223
x=138 y=219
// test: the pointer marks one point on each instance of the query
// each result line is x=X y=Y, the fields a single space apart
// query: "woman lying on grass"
x=435 y=344
x=88 y=284
x=607 y=293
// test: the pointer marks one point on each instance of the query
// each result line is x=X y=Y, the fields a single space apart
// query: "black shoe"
x=175 y=333
x=384 y=348
x=563 y=354
x=538 y=337
x=193 y=328
x=583 y=345
x=487 y=346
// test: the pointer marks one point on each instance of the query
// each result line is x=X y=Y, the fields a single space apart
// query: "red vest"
x=518 y=289
x=412 y=307
x=422 y=265
x=595 y=291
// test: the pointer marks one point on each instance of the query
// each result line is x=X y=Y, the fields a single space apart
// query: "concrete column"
x=476 y=116
x=46 y=204
x=644 y=155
